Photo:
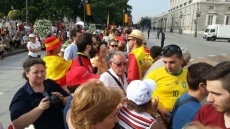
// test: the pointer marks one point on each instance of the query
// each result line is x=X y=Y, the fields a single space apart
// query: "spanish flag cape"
x=138 y=64
x=57 y=68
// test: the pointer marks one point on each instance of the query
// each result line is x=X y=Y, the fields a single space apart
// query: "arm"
x=31 y=116
x=159 y=123
x=33 y=49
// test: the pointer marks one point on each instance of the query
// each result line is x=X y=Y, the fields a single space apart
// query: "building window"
x=210 y=19
x=211 y=8
x=227 y=19
x=228 y=8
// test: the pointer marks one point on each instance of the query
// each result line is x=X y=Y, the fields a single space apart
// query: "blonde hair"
x=198 y=125
x=92 y=103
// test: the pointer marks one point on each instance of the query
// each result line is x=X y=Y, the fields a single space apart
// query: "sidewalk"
x=14 y=52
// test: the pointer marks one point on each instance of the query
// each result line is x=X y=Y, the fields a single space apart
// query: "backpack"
x=178 y=105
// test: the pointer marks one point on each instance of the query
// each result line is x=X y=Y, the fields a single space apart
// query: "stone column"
x=214 y=19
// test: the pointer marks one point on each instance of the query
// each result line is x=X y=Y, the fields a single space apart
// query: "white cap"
x=31 y=36
x=140 y=92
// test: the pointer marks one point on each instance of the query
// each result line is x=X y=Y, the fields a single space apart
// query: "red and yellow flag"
x=88 y=9
x=126 y=18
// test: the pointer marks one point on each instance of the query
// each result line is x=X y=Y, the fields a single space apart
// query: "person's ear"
x=88 y=47
x=202 y=86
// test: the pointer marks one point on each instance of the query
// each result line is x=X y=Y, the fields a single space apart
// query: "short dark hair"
x=220 y=72
x=99 y=43
x=97 y=37
x=155 y=51
x=139 y=108
x=84 y=40
x=171 y=50
x=195 y=74
x=74 y=31
x=29 y=62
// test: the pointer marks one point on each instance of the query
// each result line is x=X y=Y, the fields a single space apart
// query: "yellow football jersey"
x=169 y=87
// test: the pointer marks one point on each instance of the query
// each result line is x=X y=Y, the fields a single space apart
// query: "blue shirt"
x=67 y=107
x=185 y=113
x=71 y=52
x=25 y=100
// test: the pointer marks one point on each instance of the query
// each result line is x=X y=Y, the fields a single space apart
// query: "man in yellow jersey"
x=171 y=80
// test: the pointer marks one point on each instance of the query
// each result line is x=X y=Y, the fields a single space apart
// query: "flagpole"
x=108 y=20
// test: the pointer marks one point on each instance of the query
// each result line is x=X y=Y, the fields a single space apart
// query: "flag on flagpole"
x=88 y=9
x=108 y=20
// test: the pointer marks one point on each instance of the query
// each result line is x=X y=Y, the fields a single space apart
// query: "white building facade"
x=182 y=15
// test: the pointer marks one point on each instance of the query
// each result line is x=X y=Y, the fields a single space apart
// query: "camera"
x=53 y=98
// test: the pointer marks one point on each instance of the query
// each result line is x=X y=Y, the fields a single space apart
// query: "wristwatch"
x=157 y=116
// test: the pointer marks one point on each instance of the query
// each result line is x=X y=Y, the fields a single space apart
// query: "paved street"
x=11 y=67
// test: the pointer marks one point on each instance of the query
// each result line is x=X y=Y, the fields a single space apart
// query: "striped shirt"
x=133 y=120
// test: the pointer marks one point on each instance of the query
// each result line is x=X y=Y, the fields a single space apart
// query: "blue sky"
x=151 y=8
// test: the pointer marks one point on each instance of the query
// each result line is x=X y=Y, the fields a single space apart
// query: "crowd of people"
x=111 y=80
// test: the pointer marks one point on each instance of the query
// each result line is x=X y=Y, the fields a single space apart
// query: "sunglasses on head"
x=172 y=48
x=120 y=64
x=114 y=45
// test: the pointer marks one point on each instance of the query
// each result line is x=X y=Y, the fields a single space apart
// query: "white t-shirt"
x=27 y=29
x=25 y=39
x=34 y=46
x=68 y=34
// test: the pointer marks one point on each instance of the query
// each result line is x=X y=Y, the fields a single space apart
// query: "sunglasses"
x=120 y=64
x=172 y=47
x=129 y=39
x=114 y=45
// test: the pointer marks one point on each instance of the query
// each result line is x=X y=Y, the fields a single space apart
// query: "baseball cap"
x=137 y=34
x=79 y=75
x=140 y=91
x=31 y=36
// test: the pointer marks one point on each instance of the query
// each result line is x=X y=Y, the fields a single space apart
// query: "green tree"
x=145 y=21
x=14 y=14
x=57 y=9
x=100 y=9
x=34 y=13
x=2 y=15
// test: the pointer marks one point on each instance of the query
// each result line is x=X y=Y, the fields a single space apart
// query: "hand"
x=155 y=105
x=59 y=95
x=164 y=114
x=44 y=104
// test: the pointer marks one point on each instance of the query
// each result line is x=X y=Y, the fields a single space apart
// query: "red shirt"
x=21 y=27
x=208 y=115
x=82 y=60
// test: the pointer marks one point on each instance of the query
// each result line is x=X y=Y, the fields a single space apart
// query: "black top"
x=26 y=99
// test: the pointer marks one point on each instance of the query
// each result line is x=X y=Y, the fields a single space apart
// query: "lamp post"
x=196 y=23
x=84 y=2
x=27 y=12
x=123 y=18
x=165 y=22
x=180 y=31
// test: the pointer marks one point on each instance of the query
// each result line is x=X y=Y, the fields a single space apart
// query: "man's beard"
x=92 y=52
